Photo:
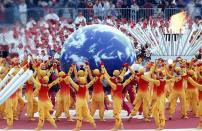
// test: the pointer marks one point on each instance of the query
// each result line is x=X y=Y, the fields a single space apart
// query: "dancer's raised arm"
x=74 y=85
x=113 y=86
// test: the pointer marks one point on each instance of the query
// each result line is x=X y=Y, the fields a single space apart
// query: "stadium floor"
x=136 y=124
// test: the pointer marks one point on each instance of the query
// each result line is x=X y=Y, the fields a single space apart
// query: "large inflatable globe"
x=95 y=43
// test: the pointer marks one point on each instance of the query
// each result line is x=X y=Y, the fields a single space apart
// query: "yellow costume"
x=178 y=91
x=192 y=95
x=117 y=88
x=32 y=106
x=199 y=86
x=44 y=104
x=63 y=96
x=81 y=101
x=98 y=93
x=142 y=95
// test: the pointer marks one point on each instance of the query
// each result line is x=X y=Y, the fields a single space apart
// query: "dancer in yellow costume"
x=32 y=106
x=158 y=110
x=192 y=94
x=44 y=103
x=63 y=95
x=11 y=109
x=142 y=95
x=199 y=86
x=117 y=88
x=81 y=101
x=98 y=92
x=3 y=73
x=178 y=91
x=81 y=73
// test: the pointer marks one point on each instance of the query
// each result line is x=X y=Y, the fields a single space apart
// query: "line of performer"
x=146 y=88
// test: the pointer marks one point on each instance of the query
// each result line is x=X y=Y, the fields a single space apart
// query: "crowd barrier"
x=10 y=16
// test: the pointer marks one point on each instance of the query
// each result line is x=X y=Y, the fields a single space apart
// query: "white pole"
x=17 y=84
x=6 y=77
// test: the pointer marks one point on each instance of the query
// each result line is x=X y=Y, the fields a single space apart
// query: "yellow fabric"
x=117 y=106
x=32 y=105
x=98 y=102
x=63 y=104
x=21 y=105
x=192 y=100
x=44 y=107
x=141 y=97
x=2 y=110
x=158 y=112
x=10 y=110
x=173 y=101
x=82 y=111
x=200 y=113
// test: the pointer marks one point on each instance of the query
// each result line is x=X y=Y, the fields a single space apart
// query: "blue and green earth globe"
x=95 y=43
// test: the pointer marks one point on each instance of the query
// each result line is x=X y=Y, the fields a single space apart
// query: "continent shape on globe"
x=95 y=43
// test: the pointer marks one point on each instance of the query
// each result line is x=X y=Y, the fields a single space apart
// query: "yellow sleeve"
x=75 y=72
x=128 y=80
x=105 y=71
x=91 y=82
x=199 y=86
x=156 y=82
x=47 y=62
x=134 y=88
x=36 y=83
x=123 y=71
x=66 y=80
x=36 y=91
x=49 y=72
x=74 y=85
x=113 y=86
x=198 y=73
x=70 y=71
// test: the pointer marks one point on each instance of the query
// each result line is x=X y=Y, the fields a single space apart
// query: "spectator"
x=161 y=5
x=101 y=9
x=80 y=19
x=96 y=8
x=134 y=6
x=112 y=9
x=191 y=8
x=173 y=4
x=106 y=8
x=23 y=12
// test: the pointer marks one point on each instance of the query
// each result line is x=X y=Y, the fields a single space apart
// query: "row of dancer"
x=161 y=81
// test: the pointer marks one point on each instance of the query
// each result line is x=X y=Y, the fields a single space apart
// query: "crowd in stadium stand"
x=50 y=33
x=22 y=7
x=54 y=34
x=102 y=3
